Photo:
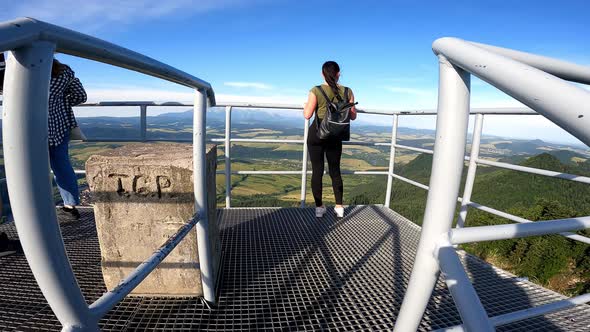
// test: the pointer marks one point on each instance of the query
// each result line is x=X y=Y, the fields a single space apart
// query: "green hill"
x=566 y=156
x=553 y=261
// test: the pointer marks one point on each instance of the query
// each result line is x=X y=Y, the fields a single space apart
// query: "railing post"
x=472 y=312
x=475 y=142
x=227 y=156
x=391 y=160
x=447 y=166
x=26 y=156
x=304 y=163
x=200 y=188
x=143 y=122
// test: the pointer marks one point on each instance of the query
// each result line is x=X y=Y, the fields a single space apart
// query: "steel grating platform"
x=283 y=269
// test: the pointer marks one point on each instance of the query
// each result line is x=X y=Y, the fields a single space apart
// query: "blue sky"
x=272 y=51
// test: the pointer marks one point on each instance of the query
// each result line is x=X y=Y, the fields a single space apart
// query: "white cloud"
x=411 y=91
x=403 y=79
x=93 y=14
x=252 y=85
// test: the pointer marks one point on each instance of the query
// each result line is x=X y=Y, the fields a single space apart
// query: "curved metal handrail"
x=531 y=80
x=32 y=44
x=24 y=31
x=565 y=70
x=565 y=104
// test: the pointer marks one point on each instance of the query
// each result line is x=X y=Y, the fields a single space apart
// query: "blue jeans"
x=66 y=179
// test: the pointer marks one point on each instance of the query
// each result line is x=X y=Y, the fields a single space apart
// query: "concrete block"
x=142 y=194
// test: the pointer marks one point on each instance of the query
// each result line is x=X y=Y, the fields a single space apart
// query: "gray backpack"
x=336 y=122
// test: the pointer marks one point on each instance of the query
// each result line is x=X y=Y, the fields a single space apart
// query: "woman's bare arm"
x=353 y=109
x=310 y=106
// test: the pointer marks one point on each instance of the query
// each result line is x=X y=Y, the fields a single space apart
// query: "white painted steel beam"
x=121 y=103
x=571 y=236
x=544 y=309
x=405 y=147
x=447 y=166
x=562 y=69
x=293 y=141
x=26 y=158
x=412 y=112
x=261 y=105
x=265 y=172
x=470 y=309
x=563 y=103
x=264 y=140
x=227 y=151
x=307 y=172
x=482 y=110
x=304 y=163
x=513 y=231
x=394 y=125
x=565 y=176
x=540 y=310
x=470 y=180
x=412 y=182
x=200 y=188
x=138 y=139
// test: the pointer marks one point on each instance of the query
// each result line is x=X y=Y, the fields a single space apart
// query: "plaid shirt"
x=65 y=91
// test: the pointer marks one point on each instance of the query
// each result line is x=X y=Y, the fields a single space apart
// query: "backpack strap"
x=337 y=95
x=324 y=93
x=346 y=94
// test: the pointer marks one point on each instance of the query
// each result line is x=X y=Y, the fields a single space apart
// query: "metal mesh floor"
x=284 y=269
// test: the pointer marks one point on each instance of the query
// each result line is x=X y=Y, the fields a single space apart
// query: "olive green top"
x=322 y=106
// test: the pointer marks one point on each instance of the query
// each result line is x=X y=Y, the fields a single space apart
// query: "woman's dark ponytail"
x=330 y=69
x=57 y=68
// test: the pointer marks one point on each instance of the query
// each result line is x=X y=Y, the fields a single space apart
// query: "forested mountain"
x=554 y=261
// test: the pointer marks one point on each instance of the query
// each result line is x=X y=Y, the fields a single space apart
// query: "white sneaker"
x=320 y=211
x=339 y=212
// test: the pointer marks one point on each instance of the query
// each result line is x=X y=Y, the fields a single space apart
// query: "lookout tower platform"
x=283 y=269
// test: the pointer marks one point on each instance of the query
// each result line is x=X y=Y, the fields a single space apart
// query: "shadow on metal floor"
x=284 y=269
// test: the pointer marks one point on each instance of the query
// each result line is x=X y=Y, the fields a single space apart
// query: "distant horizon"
x=362 y=123
x=425 y=122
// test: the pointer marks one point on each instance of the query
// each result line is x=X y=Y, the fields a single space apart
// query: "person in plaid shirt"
x=65 y=91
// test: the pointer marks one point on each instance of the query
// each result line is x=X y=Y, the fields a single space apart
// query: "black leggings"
x=333 y=152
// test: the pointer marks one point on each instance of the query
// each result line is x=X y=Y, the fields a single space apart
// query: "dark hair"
x=57 y=68
x=330 y=69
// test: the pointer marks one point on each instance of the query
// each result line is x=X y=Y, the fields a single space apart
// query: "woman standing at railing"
x=65 y=91
x=331 y=148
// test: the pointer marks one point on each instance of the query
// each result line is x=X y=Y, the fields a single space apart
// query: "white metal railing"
x=473 y=160
x=537 y=82
x=452 y=271
x=449 y=262
x=31 y=45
